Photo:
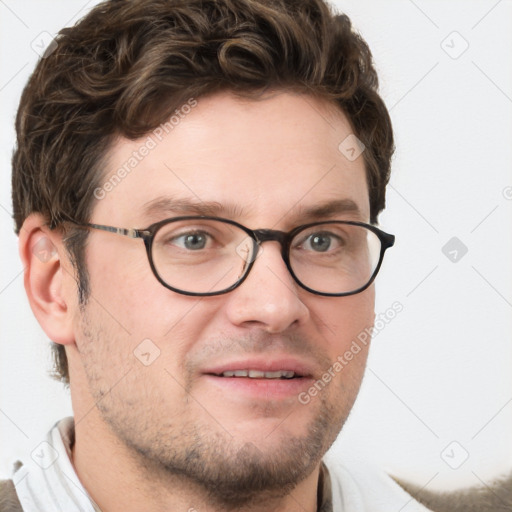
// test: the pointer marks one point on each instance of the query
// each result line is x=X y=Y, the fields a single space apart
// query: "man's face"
x=263 y=164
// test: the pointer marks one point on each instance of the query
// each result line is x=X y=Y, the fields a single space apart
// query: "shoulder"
x=9 y=501
x=360 y=486
x=491 y=497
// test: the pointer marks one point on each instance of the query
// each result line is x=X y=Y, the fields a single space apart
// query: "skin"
x=172 y=437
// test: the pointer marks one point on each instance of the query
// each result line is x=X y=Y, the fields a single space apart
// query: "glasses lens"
x=200 y=255
x=335 y=257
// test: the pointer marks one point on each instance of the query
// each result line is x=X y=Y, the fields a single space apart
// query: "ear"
x=48 y=274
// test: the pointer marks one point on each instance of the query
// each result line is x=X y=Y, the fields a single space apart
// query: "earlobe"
x=42 y=253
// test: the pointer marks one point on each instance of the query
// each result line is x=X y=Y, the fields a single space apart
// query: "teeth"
x=258 y=374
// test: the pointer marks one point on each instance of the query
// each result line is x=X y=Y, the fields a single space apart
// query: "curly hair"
x=126 y=66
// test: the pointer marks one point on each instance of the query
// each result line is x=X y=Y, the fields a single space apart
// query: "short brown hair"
x=125 y=67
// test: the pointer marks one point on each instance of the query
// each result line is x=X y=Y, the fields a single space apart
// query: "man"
x=196 y=187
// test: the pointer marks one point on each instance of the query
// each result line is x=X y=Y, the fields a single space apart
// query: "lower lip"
x=261 y=388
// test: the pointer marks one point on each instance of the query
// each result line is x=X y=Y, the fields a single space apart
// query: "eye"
x=321 y=241
x=194 y=241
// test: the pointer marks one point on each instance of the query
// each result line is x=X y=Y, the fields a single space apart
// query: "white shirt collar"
x=47 y=481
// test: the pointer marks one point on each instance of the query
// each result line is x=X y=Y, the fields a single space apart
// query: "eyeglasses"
x=203 y=256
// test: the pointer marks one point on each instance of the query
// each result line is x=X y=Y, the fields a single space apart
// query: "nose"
x=268 y=298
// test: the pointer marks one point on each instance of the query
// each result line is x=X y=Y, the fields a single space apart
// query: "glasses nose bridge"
x=272 y=235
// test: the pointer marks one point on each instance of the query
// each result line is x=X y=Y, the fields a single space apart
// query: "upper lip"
x=300 y=368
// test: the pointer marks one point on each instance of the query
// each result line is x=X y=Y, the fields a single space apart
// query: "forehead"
x=268 y=159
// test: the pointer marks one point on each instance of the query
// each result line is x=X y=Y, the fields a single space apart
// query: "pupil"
x=195 y=241
x=320 y=243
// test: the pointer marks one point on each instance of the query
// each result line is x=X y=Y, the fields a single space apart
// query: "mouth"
x=258 y=378
x=259 y=374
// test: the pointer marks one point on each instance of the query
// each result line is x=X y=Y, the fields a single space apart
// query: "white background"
x=440 y=372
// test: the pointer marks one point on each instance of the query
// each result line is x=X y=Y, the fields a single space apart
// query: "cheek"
x=346 y=330
x=135 y=316
x=135 y=301
x=342 y=320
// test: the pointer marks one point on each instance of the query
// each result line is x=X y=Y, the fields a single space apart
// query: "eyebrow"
x=163 y=206
x=169 y=205
x=330 y=209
